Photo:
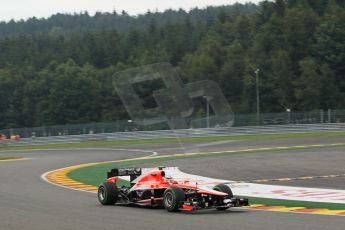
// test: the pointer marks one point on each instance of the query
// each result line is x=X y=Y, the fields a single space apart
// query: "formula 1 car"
x=155 y=189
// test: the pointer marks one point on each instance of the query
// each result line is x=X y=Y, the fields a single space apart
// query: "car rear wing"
x=132 y=172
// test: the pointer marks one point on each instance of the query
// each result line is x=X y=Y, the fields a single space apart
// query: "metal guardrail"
x=241 y=120
x=184 y=133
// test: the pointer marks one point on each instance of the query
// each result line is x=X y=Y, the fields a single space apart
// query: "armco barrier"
x=141 y=135
x=241 y=120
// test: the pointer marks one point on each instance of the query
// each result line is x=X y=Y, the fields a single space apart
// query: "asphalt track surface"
x=28 y=202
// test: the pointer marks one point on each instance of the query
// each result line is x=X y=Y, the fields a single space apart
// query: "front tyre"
x=172 y=198
x=226 y=189
x=108 y=193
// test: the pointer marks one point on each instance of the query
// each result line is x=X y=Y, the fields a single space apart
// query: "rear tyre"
x=226 y=189
x=108 y=193
x=172 y=198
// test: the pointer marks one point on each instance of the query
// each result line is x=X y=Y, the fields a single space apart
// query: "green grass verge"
x=172 y=140
x=294 y=203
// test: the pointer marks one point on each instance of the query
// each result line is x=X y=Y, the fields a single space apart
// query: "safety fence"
x=240 y=120
x=182 y=133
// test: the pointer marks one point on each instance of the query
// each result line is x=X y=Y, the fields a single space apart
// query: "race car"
x=154 y=188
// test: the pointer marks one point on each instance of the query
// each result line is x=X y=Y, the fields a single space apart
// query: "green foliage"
x=58 y=70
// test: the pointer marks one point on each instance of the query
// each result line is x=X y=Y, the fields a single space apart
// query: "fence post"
x=329 y=116
x=321 y=116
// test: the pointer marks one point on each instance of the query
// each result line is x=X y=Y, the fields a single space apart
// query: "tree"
x=330 y=42
x=316 y=88
x=74 y=94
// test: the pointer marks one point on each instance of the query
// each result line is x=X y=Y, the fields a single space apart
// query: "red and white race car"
x=154 y=188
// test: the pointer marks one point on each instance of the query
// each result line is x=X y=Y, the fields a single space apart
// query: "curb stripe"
x=14 y=159
x=319 y=211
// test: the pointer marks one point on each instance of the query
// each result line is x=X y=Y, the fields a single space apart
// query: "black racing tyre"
x=226 y=189
x=108 y=193
x=172 y=198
